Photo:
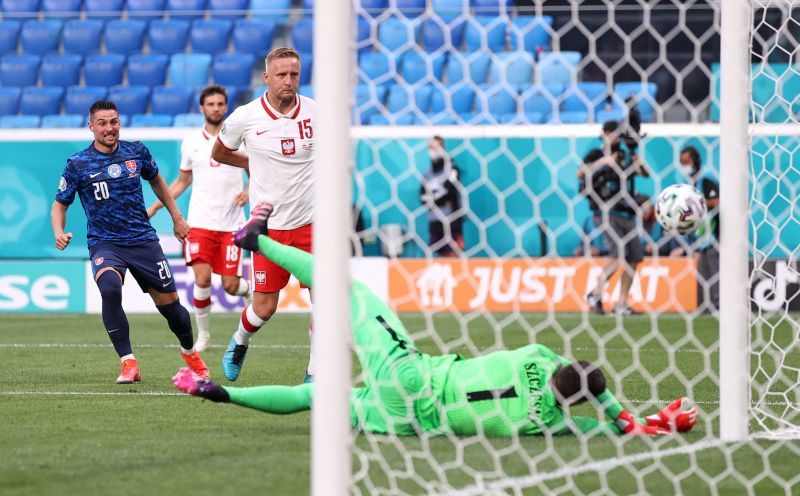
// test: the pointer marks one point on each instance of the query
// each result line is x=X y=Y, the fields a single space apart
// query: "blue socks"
x=114 y=319
x=180 y=323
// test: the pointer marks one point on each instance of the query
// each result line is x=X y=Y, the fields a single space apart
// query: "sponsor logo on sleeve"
x=99 y=260
x=114 y=170
x=287 y=147
x=62 y=184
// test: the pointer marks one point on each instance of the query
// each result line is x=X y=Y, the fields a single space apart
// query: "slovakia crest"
x=261 y=277
x=114 y=170
x=287 y=147
x=98 y=260
x=130 y=165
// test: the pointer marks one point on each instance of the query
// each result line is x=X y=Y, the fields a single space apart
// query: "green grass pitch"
x=66 y=428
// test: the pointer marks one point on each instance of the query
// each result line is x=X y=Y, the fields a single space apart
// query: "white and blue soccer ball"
x=680 y=208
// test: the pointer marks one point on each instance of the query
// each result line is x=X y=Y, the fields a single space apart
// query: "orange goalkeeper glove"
x=629 y=425
x=676 y=417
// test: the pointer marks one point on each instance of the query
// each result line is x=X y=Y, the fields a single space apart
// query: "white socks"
x=248 y=325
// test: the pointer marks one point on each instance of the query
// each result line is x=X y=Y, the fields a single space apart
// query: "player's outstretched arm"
x=58 y=219
x=176 y=189
x=231 y=157
x=160 y=188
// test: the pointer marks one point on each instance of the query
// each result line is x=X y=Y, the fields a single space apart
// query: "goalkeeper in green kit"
x=518 y=392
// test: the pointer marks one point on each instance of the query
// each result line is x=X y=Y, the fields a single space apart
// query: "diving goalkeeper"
x=524 y=391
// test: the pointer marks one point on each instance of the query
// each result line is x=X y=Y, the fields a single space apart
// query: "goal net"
x=494 y=244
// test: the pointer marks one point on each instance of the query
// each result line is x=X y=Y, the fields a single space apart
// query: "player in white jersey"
x=278 y=131
x=216 y=210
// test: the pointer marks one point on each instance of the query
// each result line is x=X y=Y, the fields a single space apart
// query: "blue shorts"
x=146 y=261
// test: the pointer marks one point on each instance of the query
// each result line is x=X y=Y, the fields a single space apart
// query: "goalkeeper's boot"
x=130 y=372
x=247 y=236
x=678 y=416
x=191 y=383
x=233 y=359
x=595 y=303
x=197 y=364
x=628 y=424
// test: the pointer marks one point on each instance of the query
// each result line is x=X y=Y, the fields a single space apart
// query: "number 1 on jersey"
x=305 y=129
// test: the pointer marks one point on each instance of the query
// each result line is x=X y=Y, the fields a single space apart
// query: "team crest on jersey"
x=62 y=184
x=287 y=147
x=130 y=165
x=194 y=248
x=114 y=170
x=98 y=260
x=261 y=277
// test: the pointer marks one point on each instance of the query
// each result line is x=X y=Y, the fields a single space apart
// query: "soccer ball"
x=680 y=208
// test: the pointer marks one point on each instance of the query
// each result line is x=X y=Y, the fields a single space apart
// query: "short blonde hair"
x=281 y=53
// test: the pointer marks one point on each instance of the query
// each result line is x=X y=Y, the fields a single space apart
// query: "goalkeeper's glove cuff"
x=678 y=416
x=628 y=425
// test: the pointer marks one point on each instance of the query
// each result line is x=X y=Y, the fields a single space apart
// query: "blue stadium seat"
x=303 y=35
x=235 y=69
x=530 y=33
x=478 y=64
x=171 y=100
x=145 y=9
x=410 y=8
x=151 y=120
x=403 y=98
x=540 y=99
x=64 y=121
x=82 y=37
x=257 y=92
x=40 y=37
x=644 y=92
x=103 y=70
x=19 y=70
x=23 y=7
x=210 y=36
x=401 y=119
x=414 y=67
x=586 y=96
x=228 y=9
x=130 y=100
x=147 y=70
x=168 y=37
x=61 y=70
x=103 y=9
x=19 y=121
x=373 y=8
x=276 y=11
x=513 y=68
x=80 y=98
x=450 y=8
x=496 y=100
x=604 y=115
x=570 y=118
x=438 y=32
x=9 y=34
x=306 y=90
x=558 y=68
x=460 y=98
x=61 y=9
x=369 y=99
x=9 y=100
x=188 y=120
x=307 y=67
x=189 y=69
x=125 y=37
x=492 y=27
x=491 y=7
x=41 y=100
x=186 y=9
x=395 y=33
x=253 y=37
x=373 y=65
x=363 y=36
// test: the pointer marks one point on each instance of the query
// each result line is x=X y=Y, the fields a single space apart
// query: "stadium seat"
x=103 y=9
x=458 y=98
x=410 y=8
x=40 y=37
x=644 y=92
x=80 y=98
x=496 y=100
x=395 y=34
x=103 y=70
x=533 y=118
x=19 y=70
x=540 y=99
x=168 y=37
x=230 y=10
x=373 y=65
x=186 y=9
x=414 y=67
x=19 y=121
x=307 y=67
x=449 y=9
x=170 y=100
x=306 y=90
x=303 y=35
x=125 y=37
x=373 y=8
x=253 y=37
x=491 y=7
x=363 y=36
x=401 y=119
x=477 y=63
x=558 y=68
x=235 y=69
x=9 y=34
x=438 y=32
x=257 y=92
x=586 y=96
x=402 y=98
x=147 y=70
x=82 y=37
x=189 y=69
x=130 y=100
x=9 y=100
x=492 y=28
x=604 y=115
x=570 y=118
x=369 y=99
x=210 y=36
x=22 y=7
x=145 y=9
x=188 y=120
x=61 y=9
x=530 y=33
x=276 y=11
x=61 y=70
x=41 y=100
x=512 y=68
x=151 y=120
x=64 y=121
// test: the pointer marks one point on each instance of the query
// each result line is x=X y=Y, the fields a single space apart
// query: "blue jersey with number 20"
x=111 y=192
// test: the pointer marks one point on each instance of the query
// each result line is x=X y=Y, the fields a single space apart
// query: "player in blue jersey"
x=106 y=177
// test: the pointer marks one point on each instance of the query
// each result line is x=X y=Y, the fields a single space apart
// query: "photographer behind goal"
x=607 y=179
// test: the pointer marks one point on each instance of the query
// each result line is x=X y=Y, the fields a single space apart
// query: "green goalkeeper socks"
x=272 y=399
x=297 y=262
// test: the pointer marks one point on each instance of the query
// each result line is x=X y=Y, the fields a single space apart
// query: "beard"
x=215 y=122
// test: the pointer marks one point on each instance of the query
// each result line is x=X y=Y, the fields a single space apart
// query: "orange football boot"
x=130 y=372
x=197 y=364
